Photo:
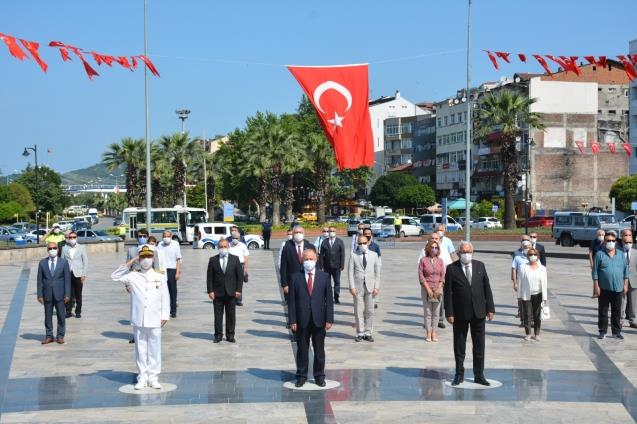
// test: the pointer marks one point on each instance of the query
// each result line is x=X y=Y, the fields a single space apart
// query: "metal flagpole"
x=467 y=227
x=148 y=178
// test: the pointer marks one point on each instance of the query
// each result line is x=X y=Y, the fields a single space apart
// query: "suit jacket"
x=79 y=262
x=150 y=299
x=542 y=252
x=319 y=306
x=368 y=276
x=332 y=257
x=290 y=263
x=227 y=283
x=56 y=286
x=463 y=301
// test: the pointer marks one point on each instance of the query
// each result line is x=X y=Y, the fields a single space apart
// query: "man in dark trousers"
x=332 y=259
x=468 y=301
x=224 y=284
x=54 y=290
x=311 y=313
x=266 y=233
x=291 y=257
x=539 y=247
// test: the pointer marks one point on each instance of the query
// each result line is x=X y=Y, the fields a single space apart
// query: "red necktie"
x=310 y=283
x=299 y=253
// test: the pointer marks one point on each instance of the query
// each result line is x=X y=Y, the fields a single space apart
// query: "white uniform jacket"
x=150 y=300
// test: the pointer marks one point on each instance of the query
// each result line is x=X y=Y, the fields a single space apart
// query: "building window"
x=612 y=112
x=405 y=128
x=406 y=143
x=439 y=122
x=391 y=129
x=612 y=89
x=453 y=119
x=446 y=121
x=459 y=117
x=625 y=92
x=405 y=159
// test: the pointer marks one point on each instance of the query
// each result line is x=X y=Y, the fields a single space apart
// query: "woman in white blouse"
x=532 y=293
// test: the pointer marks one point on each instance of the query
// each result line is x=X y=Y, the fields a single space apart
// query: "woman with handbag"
x=431 y=274
x=532 y=293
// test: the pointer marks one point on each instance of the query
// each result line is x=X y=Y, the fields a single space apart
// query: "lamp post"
x=183 y=115
x=527 y=175
x=467 y=178
x=36 y=196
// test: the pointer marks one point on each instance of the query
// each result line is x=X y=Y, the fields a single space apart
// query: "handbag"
x=545 y=312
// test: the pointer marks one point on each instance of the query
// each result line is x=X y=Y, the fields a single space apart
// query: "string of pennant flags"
x=17 y=47
x=596 y=147
x=567 y=63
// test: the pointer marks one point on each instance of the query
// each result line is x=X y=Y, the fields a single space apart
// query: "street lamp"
x=183 y=115
x=36 y=196
x=527 y=144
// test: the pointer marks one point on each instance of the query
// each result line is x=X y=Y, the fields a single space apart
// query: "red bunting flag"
x=580 y=146
x=595 y=147
x=633 y=58
x=492 y=59
x=611 y=147
x=33 y=48
x=571 y=64
x=542 y=62
x=628 y=67
x=591 y=60
x=123 y=61
x=504 y=56
x=339 y=95
x=627 y=148
x=13 y=47
x=522 y=57
x=602 y=61
x=149 y=64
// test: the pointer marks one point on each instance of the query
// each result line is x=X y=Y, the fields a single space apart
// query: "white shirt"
x=171 y=253
x=240 y=250
x=532 y=281
x=447 y=245
x=150 y=300
x=54 y=261
x=72 y=252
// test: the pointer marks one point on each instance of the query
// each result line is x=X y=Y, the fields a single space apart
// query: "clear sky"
x=224 y=60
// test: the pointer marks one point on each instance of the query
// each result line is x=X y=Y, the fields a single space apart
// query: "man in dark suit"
x=468 y=300
x=311 y=313
x=539 y=247
x=54 y=290
x=332 y=259
x=224 y=284
x=291 y=257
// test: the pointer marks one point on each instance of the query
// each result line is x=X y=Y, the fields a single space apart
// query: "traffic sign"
x=494 y=208
x=633 y=206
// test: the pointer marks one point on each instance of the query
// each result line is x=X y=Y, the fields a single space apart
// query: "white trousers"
x=364 y=312
x=147 y=353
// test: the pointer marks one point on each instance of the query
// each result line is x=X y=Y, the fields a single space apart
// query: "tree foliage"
x=415 y=196
x=385 y=190
x=49 y=193
x=624 y=190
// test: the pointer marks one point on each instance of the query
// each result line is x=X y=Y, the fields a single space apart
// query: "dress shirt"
x=610 y=271
x=171 y=253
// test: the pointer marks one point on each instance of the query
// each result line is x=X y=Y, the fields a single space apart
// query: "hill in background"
x=96 y=174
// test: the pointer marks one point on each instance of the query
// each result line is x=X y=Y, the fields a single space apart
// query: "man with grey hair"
x=292 y=258
x=629 y=300
x=171 y=251
x=468 y=302
x=596 y=245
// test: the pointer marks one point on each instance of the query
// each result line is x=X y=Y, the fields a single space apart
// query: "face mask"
x=71 y=242
x=525 y=250
x=235 y=242
x=441 y=234
x=627 y=246
x=363 y=248
x=142 y=240
x=299 y=237
x=146 y=263
x=465 y=258
x=533 y=240
x=610 y=245
x=56 y=231
x=309 y=265
x=53 y=253
x=434 y=251
x=167 y=240
x=600 y=238
x=360 y=231
x=332 y=234
x=289 y=236
x=532 y=258
x=223 y=251
x=235 y=234
x=326 y=233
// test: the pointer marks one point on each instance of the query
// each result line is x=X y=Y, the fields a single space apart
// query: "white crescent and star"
x=337 y=121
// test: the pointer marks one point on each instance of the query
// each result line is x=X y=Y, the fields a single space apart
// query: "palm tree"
x=321 y=162
x=510 y=112
x=128 y=152
x=177 y=150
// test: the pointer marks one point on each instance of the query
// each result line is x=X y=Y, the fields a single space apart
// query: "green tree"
x=18 y=193
x=510 y=112
x=130 y=153
x=178 y=149
x=49 y=195
x=624 y=190
x=9 y=210
x=485 y=208
x=415 y=196
x=385 y=189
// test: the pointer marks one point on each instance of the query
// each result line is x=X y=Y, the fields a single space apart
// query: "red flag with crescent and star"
x=340 y=97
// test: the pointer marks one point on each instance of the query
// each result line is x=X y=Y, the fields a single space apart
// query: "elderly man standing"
x=364 y=284
x=241 y=251
x=610 y=283
x=75 y=255
x=332 y=258
x=54 y=290
x=292 y=257
x=468 y=301
x=171 y=251
x=150 y=310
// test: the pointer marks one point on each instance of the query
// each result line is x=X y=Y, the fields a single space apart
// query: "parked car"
x=80 y=225
x=10 y=234
x=64 y=225
x=570 y=228
x=28 y=237
x=95 y=219
x=540 y=221
x=208 y=236
x=632 y=220
x=23 y=226
x=461 y=221
x=410 y=227
x=352 y=225
x=343 y=218
x=383 y=224
x=486 y=222
x=95 y=235
x=117 y=221
x=429 y=222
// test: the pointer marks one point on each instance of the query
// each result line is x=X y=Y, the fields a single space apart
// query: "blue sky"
x=223 y=59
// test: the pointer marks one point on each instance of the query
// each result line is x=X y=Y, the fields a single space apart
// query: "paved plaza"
x=567 y=377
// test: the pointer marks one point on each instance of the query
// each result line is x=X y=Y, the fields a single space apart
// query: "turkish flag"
x=339 y=95
x=627 y=148
x=595 y=147
x=580 y=146
x=611 y=147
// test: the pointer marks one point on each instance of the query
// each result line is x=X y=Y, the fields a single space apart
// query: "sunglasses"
x=72 y=237
x=52 y=248
x=611 y=240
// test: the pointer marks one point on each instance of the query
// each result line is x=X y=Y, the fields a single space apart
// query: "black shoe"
x=481 y=380
x=359 y=338
x=173 y=315
x=288 y=326
x=131 y=340
x=69 y=315
x=457 y=379
x=231 y=340
x=77 y=315
x=320 y=382
x=299 y=382
x=216 y=340
x=369 y=338
x=338 y=302
x=441 y=324
x=239 y=303
x=375 y=305
x=618 y=336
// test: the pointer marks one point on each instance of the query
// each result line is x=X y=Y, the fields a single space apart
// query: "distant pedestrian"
x=171 y=252
x=445 y=242
x=447 y=260
x=319 y=240
x=541 y=251
x=519 y=259
x=266 y=233
x=397 y=225
x=374 y=247
x=292 y=258
x=431 y=275
x=596 y=245
x=287 y=238
x=532 y=293
x=240 y=250
x=55 y=235
x=629 y=301
x=354 y=245
x=75 y=255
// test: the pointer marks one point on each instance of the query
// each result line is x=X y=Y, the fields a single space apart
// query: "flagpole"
x=147 y=114
x=467 y=225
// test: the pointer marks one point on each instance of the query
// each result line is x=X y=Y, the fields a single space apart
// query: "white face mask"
x=533 y=240
x=53 y=253
x=610 y=245
x=332 y=234
x=441 y=234
x=56 y=231
x=235 y=242
x=627 y=246
x=363 y=248
x=289 y=236
x=600 y=238
x=360 y=231
x=309 y=265
x=298 y=237
x=71 y=242
x=532 y=258
x=223 y=251
x=146 y=263
x=465 y=258
x=326 y=233
x=167 y=240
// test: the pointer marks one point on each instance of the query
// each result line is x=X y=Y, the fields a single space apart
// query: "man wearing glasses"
x=75 y=255
x=610 y=276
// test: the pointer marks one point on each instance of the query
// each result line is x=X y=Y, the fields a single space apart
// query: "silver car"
x=95 y=236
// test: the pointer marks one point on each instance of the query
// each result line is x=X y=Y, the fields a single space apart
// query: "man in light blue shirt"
x=610 y=276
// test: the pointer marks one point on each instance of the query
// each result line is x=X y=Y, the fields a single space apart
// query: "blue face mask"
x=142 y=240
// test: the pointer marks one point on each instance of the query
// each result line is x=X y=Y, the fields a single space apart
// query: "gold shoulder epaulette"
x=159 y=271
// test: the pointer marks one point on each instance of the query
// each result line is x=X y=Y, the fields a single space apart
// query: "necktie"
x=310 y=283
x=223 y=264
x=331 y=242
x=364 y=260
x=299 y=253
x=52 y=266
x=468 y=273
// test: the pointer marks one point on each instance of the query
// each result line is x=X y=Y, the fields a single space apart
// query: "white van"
x=429 y=222
x=207 y=236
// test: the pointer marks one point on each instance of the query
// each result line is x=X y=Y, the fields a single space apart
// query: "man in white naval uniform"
x=150 y=309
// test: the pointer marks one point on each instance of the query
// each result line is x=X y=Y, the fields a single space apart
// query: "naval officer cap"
x=146 y=251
